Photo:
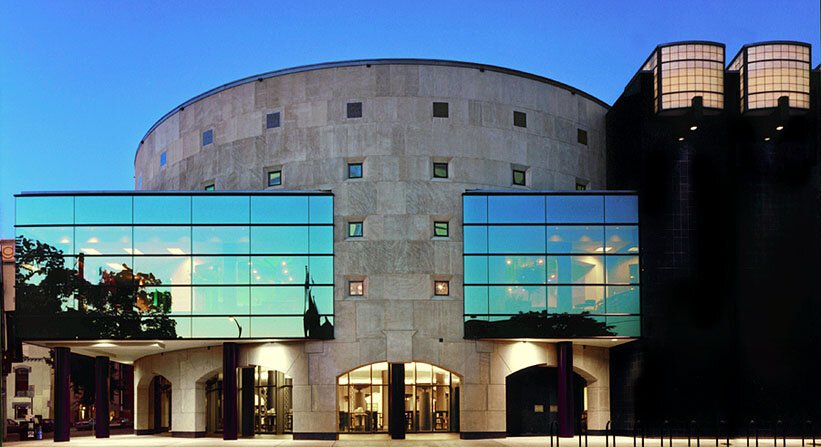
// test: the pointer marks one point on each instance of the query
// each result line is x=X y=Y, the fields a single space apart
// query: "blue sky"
x=82 y=81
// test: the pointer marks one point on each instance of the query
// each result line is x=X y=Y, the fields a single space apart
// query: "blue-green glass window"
x=321 y=240
x=209 y=209
x=440 y=229
x=356 y=229
x=575 y=299
x=220 y=327
x=322 y=209
x=103 y=240
x=575 y=269
x=476 y=269
x=221 y=301
x=515 y=209
x=476 y=300
x=354 y=170
x=102 y=210
x=621 y=239
x=174 y=300
x=516 y=269
x=279 y=240
x=575 y=239
x=277 y=300
x=221 y=270
x=208 y=137
x=324 y=299
x=221 y=240
x=321 y=269
x=275 y=178
x=61 y=238
x=278 y=209
x=475 y=209
x=96 y=268
x=45 y=210
x=516 y=239
x=182 y=326
x=172 y=240
x=622 y=209
x=626 y=326
x=575 y=208
x=622 y=299
x=278 y=327
x=168 y=270
x=290 y=270
x=622 y=269
x=475 y=239
x=162 y=209
x=513 y=299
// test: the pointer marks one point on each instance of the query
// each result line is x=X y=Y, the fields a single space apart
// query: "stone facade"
x=397 y=139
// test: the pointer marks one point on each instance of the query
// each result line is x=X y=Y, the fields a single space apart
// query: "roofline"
x=368 y=63
x=129 y=192
x=771 y=42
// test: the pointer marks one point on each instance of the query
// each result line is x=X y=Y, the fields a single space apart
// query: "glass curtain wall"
x=768 y=71
x=430 y=405
x=174 y=265
x=551 y=265
x=686 y=70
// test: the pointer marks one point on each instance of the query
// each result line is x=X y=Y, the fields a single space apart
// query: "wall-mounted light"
x=694 y=127
x=680 y=138
x=766 y=138
x=779 y=127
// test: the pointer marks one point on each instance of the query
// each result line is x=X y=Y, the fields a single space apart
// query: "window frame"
x=582 y=136
x=351 y=111
x=274 y=171
x=360 y=282
x=441 y=109
x=441 y=164
x=519 y=119
x=437 y=224
x=209 y=132
x=436 y=284
x=352 y=225
x=523 y=172
x=361 y=169
x=268 y=120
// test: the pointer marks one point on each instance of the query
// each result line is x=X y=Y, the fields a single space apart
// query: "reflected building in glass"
x=394 y=246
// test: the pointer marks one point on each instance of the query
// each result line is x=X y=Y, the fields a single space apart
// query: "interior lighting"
x=133 y=251
x=104 y=344
x=604 y=249
x=93 y=240
x=175 y=251
x=64 y=240
x=90 y=251
x=115 y=266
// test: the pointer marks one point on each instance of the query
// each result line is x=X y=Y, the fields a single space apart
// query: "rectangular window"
x=441 y=288
x=354 y=110
x=272 y=120
x=274 y=178
x=519 y=177
x=581 y=186
x=21 y=382
x=208 y=137
x=163 y=158
x=209 y=187
x=440 y=170
x=356 y=288
x=355 y=229
x=519 y=119
x=440 y=110
x=354 y=170
x=440 y=229
x=581 y=136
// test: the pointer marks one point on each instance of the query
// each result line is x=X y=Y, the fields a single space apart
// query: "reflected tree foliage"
x=539 y=325
x=311 y=319
x=55 y=300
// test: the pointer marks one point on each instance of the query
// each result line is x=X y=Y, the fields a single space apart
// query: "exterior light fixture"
x=680 y=138
x=239 y=328
x=779 y=128
x=694 y=127
x=766 y=138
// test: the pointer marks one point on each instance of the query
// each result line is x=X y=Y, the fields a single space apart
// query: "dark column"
x=396 y=396
x=62 y=394
x=230 y=357
x=157 y=391
x=247 y=400
x=101 y=395
x=565 y=360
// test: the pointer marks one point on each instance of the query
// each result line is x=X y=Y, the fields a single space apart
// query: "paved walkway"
x=381 y=440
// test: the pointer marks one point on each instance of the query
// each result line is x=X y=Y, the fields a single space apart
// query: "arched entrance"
x=264 y=396
x=431 y=399
x=532 y=400
x=159 y=404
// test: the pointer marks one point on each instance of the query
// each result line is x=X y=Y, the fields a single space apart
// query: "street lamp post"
x=239 y=328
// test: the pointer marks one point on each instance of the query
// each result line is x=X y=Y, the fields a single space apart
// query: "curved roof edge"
x=368 y=62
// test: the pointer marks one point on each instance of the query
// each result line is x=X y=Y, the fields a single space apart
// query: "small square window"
x=355 y=229
x=163 y=159
x=441 y=288
x=274 y=178
x=208 y=137
x=209 y=187
x=440 y=110
x=356 y=288
x=519 y=177
x=440 y=229
x=272 y=120
x=520 y=119
x=581 y=186
x=440 y=170
x=354 y=170
x=581 y=136
x=354 y=110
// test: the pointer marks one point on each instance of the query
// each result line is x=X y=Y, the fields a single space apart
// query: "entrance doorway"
x=532 y=400
x=159 y=404
x=272 y=402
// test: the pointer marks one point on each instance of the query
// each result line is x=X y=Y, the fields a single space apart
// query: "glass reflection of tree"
x=118 y=306
x=310 y=320
x=539 y=325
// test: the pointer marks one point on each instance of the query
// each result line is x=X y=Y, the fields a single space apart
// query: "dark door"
x=532 y=400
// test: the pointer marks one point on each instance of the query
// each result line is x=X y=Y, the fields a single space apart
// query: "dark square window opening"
x=209 y=187
x=355 y=229
x=272 y=120
x=519 y=177
x=440 y=110
x=440 y=170
x=581 y=186
x=208 y=137
x=356 y=288
x=354 y=110
x=581 y=136
x=441 y=288
x=354 y=170
x=274 y=178
x=520 y=119
x=440 y=229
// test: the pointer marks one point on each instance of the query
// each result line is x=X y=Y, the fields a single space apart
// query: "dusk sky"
x=82 y=81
